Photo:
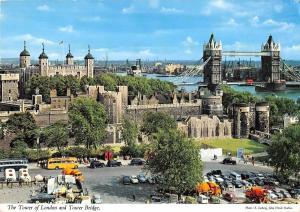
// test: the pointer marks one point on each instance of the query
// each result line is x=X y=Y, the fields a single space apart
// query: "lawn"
x=232 y=144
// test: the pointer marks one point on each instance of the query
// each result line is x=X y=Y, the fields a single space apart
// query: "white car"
x=272 y=195
x=205 y=179
x=134 y=179
x=219 y=180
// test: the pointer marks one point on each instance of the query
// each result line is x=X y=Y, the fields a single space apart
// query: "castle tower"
x=43 y=62
x=24 y=57
x=262 y=117
x=270 y=64
x=89 y=63
x=241 y=125
x=69 y=58
x=212 y=70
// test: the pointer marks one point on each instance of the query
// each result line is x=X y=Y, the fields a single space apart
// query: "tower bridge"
x=271 y=70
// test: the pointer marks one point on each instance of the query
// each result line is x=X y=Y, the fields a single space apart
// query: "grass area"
x=232 y=144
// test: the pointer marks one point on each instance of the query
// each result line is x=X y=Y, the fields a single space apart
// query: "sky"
x=146 y=29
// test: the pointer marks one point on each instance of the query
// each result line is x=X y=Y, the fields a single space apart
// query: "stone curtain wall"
x=178 y=111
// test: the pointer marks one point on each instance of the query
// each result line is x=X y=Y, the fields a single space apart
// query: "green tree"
x=129 y=132
x=153 y=122
x=23 y=124
x=56 y=135
x=88 y=121
x=284 y=151
x=176 y=160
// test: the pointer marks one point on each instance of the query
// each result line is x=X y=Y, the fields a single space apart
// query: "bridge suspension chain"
x=192 y=72
x=290 y=72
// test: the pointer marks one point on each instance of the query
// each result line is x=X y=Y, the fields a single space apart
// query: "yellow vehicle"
x=62 y=163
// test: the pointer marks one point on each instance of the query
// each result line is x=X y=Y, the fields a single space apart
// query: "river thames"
x=289 y=93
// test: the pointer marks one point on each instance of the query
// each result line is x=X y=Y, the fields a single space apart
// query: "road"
x=107 y=182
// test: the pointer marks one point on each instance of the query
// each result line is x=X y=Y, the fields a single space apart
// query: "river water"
x=289 y=93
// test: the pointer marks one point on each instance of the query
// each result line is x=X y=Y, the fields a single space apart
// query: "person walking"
x=252 y=160
x=133 y=197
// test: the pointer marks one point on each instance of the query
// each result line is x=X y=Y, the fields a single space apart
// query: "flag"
x=61 y=42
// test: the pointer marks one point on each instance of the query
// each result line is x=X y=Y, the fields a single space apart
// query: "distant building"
x=9 y=89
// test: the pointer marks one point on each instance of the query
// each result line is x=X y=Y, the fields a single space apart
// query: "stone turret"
x=43 y=62
x=24 y=57
x=262 y=117
x=69 y=58
x=241 y=124
x=89 y=63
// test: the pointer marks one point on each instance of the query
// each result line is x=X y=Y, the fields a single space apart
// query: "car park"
x=134 y=179
x=96 y=164
x=142 y=178
x=126 y=180
x=229 y=161
x=113 y=163
x=137 y=162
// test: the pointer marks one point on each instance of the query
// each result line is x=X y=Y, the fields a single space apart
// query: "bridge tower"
x=270 y=65
x=213 y=69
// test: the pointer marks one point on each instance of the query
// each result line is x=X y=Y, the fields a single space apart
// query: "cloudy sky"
x=147 y=29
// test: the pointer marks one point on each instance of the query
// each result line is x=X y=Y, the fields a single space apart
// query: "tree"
x=153 y=122
x=129 y=132
x=284 y=151
x=176 y=160
x=88 y=121
x=23 y=124
x=56 y=135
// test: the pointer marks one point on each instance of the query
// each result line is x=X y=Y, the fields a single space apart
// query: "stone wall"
x=178 y=111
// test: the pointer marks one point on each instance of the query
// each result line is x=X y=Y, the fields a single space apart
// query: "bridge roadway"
x=241 y=54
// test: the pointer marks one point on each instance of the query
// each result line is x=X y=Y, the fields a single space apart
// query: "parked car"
x=96 y=199
x=151 y=180
x=260 y=176
x=219 y=180
x=237 y=183
x=252 y=181
x=246 y=183
x=278 y=193
x=211 y=178
x=205 y=179
x=295 y=193
x=42 y=198
x=96 y=164
x=227 y=184
x=229 y=196
x=285 y=194
x=142 y=178
x=272 y=195
x=126 y=180
x=134 y=179
x=269 y=181
x=113 y=163
x=259 y=182
x=202 y=199
x=215 y=172
x=229 y=161
x=137 y=162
